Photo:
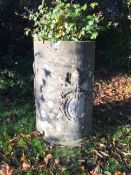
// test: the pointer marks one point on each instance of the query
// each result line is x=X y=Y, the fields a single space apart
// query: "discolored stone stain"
x=42 y=98
x=47 y=72
x=41 y=87
x=90 y=74
x=44 y=81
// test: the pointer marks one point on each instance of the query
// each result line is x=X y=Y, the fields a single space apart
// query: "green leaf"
x=94 y=35
x=67 y=5
x=84 y=7
x=40 y=7
x=91 y=22
x=93 y=5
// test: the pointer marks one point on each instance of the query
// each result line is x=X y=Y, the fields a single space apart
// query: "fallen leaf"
x=118 y=173
x=82 y=168
x=36 y=134
x=126 y=154
x=6 y=170
x=104 y=154
x=107 y=173
x=102 y=145
x=96 y=171
x=47 y=158
x=23 y=158
x=97 y=153
x=25 y=166
x=129 y=138
x=57 y=161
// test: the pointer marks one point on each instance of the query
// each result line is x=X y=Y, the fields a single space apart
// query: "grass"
x=24 y=152
x=108 y=148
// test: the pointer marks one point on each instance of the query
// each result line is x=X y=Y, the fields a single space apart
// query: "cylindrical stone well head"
x=63 y=89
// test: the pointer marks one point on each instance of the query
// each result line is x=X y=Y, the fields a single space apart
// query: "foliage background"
x=113 y=45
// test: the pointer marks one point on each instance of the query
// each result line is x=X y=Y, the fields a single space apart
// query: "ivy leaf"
x=84 y=7
x=91 y=22
x=93 y=5
x=94 y=35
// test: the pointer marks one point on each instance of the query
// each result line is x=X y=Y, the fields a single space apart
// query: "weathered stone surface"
x=63 y=89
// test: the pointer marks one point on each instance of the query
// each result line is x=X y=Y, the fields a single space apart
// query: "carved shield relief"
x=73 y=96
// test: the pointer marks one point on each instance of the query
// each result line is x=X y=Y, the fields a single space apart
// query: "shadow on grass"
x=109 y=115
x=108 y=146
